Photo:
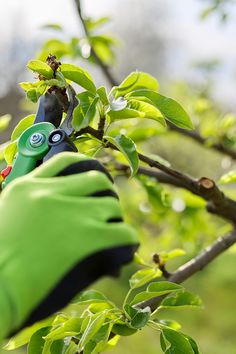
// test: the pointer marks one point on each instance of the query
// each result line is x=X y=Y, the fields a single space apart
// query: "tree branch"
x=105 y=69
x=194 y=265
x=196 y=136
x=217 y=202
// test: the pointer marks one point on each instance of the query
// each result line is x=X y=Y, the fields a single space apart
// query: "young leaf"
x=26 y=86
x=102 y=93
x=156 y=289
x=135 y=81
x=81 y=121
x=173 y=342
x=229 y=177
x=24 y=336
x=135 y=109
x=55 y=46
x=178 y=252
x=95 y=323
x=193 y=344
x=34 y=93
x=182 y=299
x=170 y=323
x=92 y=24
x=54 y=26
x=68 y=328
x=127 y=147
x=58 y=81
x=123 y=330
x=151 y=112
x=41 y=68
x=143 y=276
x=138 y=317
x=102 y=45
x=58 y=347
x=37 y=341
x=101 y=338
x=23 y=124
x=4 y=121
x=10 y=151
x=78 y=75
x=72 y=349
x=171 y=109
x=90 y=297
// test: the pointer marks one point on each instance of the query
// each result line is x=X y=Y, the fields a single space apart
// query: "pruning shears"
x=48 y=136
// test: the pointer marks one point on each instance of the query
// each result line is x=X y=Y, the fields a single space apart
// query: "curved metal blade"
x=73 y=102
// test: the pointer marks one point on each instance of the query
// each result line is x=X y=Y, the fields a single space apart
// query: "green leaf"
x=128 y=148
x=9 y=152
x=55 y=46
x=123 y=329
x=72 y=349
x=37 y=341
x=102 y=93
x=138 y=259
x=78 y=75
x=95 y=323
x=102 y=45
x=173 y=342
x=135 y=81
x=92 y=24
x=80 y=120
x=170 y=323
x=26 y=86
x=138 y=317
x=182 y=299
x=68 y=328
x=165 y=256
x=151 y=112
x=34 y=93
x=41 y=68
x=193 y=344
x=143 y=276
x=229 y=177
x=101 y=338
x=4 y=121
x=136 y=109
x=23 y=124
x=156 y=289
x=90 y=297
x=58 y=347
x=24 y=336
x=58 y=81
x=53 y=26
x=171 y=109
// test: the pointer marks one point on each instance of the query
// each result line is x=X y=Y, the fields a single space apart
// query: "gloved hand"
x=57 y=235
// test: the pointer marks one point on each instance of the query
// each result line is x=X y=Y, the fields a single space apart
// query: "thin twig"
x=194 y=265
x=105 y=69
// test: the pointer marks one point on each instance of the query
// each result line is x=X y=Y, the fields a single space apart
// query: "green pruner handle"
x=32 y=147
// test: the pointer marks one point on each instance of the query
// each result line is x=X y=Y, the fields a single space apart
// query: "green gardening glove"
x=61 y=228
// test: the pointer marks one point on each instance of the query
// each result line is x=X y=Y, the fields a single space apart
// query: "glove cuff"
x=5 y=313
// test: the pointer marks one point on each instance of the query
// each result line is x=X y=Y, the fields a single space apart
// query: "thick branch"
x=217 y=202
x=104 y=68
x=196 y=264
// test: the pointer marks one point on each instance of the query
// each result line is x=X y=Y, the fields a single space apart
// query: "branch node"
x=206 y=183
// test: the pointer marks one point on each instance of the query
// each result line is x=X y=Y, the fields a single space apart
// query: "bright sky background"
x=192 y=40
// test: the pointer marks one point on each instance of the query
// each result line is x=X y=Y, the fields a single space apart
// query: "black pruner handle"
x=59 y=141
